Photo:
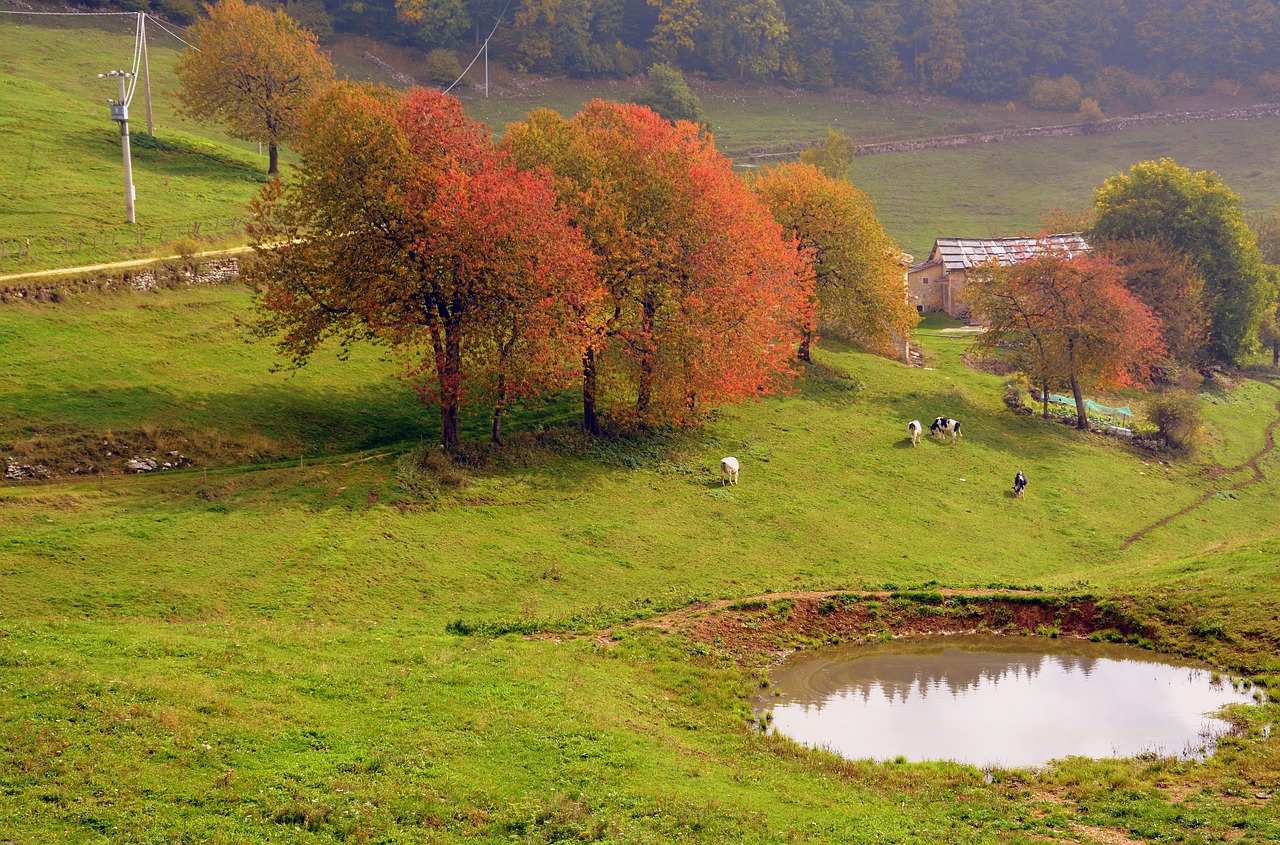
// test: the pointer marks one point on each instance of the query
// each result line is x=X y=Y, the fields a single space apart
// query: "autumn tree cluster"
x=614 y=251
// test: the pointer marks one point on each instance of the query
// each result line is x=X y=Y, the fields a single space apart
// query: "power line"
x=484 y=49
x=160 y=24
x=69 y=14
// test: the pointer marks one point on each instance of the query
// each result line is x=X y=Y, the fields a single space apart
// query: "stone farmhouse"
x=937 y=283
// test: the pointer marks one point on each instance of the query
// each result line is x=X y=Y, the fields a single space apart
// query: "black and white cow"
x=945 y=425
x=913 y=430
x=1019 y=483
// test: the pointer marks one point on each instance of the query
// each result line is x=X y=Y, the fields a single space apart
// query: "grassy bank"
x=275 y=652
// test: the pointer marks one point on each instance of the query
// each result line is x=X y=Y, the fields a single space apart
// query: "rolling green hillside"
x=320 y=631
x=278 y=652
x=60 y=176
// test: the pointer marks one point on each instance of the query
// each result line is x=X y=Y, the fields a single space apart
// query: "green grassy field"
x=60 y=176
x=269 y=650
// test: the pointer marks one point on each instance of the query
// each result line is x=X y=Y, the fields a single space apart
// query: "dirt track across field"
x=1218 y=471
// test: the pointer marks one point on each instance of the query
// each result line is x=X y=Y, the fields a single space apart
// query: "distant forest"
x=1132 y=50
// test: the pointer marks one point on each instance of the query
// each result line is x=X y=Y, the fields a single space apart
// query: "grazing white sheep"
x=1019 y=483
x=945 y=425
x=728 y=471
x=913 y=429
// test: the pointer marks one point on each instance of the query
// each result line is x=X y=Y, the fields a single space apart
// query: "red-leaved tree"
x=1068 y=319
x=703 y=290
x=407 y=227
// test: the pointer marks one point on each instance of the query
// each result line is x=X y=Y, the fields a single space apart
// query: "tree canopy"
x=858 y=270
x=704 y=295
x=252 y=69
x=408 y=228
x=1067 y=320
x=1119 y=50
x=666 y=92
x=1197 y=216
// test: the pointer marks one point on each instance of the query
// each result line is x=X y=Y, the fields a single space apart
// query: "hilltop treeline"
x=979 y=49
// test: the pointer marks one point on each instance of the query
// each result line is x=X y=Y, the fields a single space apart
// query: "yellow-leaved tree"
x=254 y=70
x=859 y=279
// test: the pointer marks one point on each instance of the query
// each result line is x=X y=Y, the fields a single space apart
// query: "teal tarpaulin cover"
x=1093 y=407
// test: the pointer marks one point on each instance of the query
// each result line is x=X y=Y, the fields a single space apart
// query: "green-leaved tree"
x=1198 y=217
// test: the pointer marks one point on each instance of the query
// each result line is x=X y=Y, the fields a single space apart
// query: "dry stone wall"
x=164 y=274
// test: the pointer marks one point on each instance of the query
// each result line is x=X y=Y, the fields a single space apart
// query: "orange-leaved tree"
x=407 y=227
x=858 y=271
x=254 y=70
x=703 y=289
x=1172 y=287
x=1068 y=319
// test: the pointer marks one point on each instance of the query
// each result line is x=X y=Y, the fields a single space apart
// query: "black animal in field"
x=1019 y=483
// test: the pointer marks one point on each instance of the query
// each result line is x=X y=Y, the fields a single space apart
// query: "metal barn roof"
x=966 y=253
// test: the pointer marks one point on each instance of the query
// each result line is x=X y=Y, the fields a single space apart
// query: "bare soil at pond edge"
x=763 y=627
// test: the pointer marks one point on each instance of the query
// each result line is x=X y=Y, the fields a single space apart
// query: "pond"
x=997 y=701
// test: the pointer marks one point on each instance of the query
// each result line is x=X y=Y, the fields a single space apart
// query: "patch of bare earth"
x=767 y=625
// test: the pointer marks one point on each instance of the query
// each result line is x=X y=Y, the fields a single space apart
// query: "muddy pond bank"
x=762 y=628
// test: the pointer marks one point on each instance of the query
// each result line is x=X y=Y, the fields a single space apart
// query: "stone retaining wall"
x=164 y=274
x=1117 y=124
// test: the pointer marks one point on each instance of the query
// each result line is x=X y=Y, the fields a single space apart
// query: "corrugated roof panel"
x=965 y=253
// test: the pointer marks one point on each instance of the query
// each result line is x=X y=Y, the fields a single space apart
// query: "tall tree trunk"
x=450 y=390
x=1082 y=417
x=644 y=392
x=499 y=405
x=1044 y=398
x=1275 y=352
x=273 y=159
x=590 y=421
x=805 y=340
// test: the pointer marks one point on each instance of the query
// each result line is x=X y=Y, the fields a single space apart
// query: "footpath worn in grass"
x=272 y=652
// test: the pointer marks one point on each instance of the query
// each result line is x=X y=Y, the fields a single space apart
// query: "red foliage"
x=1071 y=318
x=408 y=227
x=703 y=291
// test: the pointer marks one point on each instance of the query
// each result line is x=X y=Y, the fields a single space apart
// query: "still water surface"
x=997 y=701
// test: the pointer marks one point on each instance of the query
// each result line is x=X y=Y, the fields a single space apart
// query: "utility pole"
x=146 y=74
x=120 y=114
x=486 y=68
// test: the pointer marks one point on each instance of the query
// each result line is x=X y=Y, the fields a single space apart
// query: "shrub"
x=1269 y=85
x=1116 y=83
x=1225 y=88
x=441 y=66
x=1062 y=94
x=1179 y=417
x=1090 y=114
x=1179 y=83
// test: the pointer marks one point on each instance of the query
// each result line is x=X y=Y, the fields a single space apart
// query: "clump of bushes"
x=1062 y=94
x=441 y=66
x=1178 y=416
x=1116 y=83
x=1269 y=85
x=1090 y=114
x=427 y=471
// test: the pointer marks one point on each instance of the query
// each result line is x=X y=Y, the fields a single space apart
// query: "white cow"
x=913 y=429
x=728 y=471
x=945 y=425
